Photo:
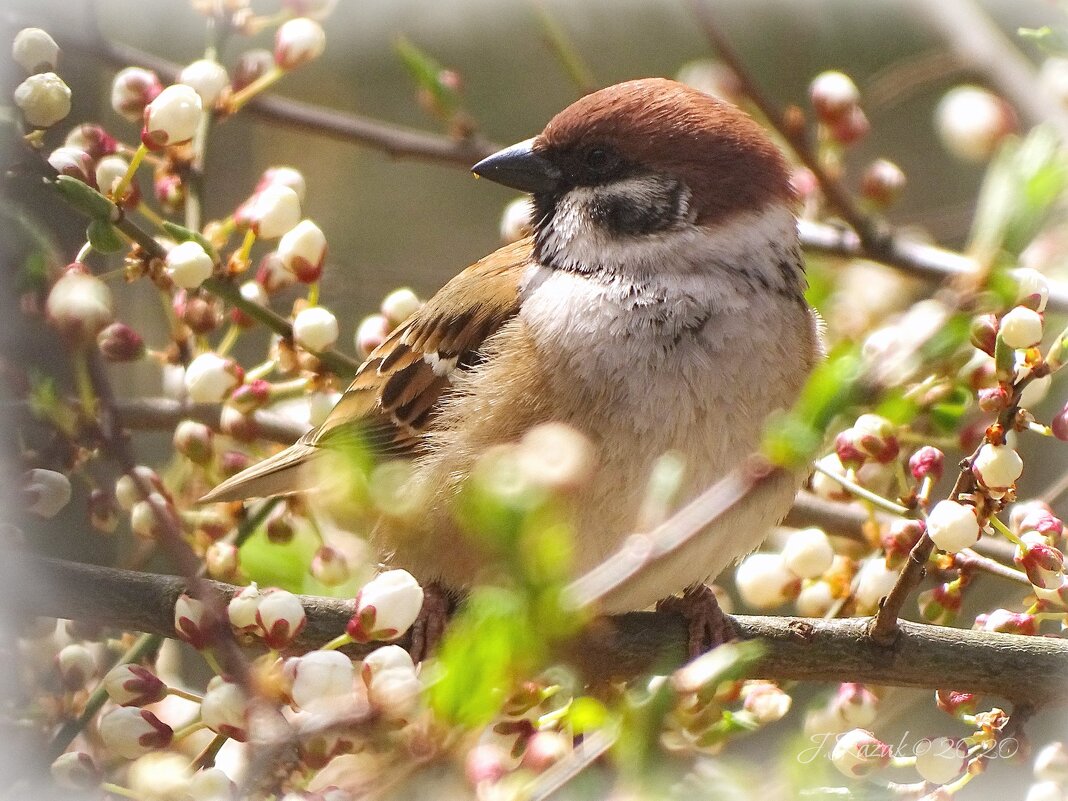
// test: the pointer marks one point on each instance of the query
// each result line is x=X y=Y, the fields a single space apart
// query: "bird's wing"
x=396 y=391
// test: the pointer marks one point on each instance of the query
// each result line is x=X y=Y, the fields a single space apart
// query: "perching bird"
x=658 y=306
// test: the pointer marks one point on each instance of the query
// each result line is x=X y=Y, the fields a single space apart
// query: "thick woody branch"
x=1030 y=669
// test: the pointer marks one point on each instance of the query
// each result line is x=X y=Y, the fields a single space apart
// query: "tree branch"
x=1031 y=669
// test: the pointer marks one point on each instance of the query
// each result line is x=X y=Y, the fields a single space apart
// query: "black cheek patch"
x=657 y=206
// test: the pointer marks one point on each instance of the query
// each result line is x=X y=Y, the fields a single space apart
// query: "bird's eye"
x=598 y=159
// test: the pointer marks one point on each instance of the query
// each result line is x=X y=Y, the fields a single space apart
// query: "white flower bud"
x=160 y=777
x=315 y=328
x=109 y=171
x=1051 y=763
x=281 y=617
x=764 y=582
x=808 y=553
x=302 y=250
x=874 y=582
x=44 y=99
x=388 y=657
x=189 y=265
x=321 y=681
x=271 y=212
x=386 y=607
x=940 y=760
x=283 y=176
x=132 y=89
x=241 y=610
x=858 y=753
x=329 y=566
x=394 y=693
x=225 y=709
x=1021 y=327
x=79 y=305
x=35 y=51
x=972 y=122
x=826 y=487
x=207 y=78
x=209 y=378
x=834 y=95
x=297 y=42
x=399 y=305
x=766 y=702
x=130 y=732
x=222 y=560
x=853 y=705
x=75 y=770
x=997 y=466
x=211 y=784
x=371 y=333
x=73 y=162
x=517 y=221
x=134 y=685
x=1044 y=791
x=1032 y=288
x=46 y=492
x=192 y=622
x=953 y=526
x=172 y=117
x=127 y=492
x=815 y=599
x=76 y=666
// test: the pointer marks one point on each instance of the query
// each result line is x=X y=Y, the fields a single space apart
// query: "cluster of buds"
x=276 y=616
x=397 y=306
x=870 y=437
x=43 y=97
x=836 y=102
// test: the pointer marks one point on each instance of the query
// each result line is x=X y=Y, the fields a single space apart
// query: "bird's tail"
x=287 y=472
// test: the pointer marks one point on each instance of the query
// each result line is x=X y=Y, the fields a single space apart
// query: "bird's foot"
x=708 y=625
x=428 y=628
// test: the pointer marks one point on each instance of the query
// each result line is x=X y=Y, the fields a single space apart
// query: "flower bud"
x=485 y=764
x=209 y=378
x=251 y=396
x=876 y=438
x=76 y=666
x=1051 y=763
x=222 y=560
x=120 y=343
x=883 y=182
x=808 y=553
x=1006 y=622
x=953 y=526
x=225 y=709
x=928 y=461
x=302 y=251
x=766 y=702
x=992 y=399
x=202 y=315
x=833 y=95
x=74 y=163
x=815 y=599
x=1040 y=520
x=394 y=693
x=35 y=51
x=251 y=65
x=956 y=703
x=103 y=511
x=854 y=705
x=997 y=467
x=851 y=128
x=79 y=305
x=160 y=776
x=940 y=604
x=193 y=622
x=1021 y=328
x=940 y=760
x=298 y=42
x=857 y=753
x=44 y=99
x=143 y=521
x=544 y=749
x=1045 y=791
x=972 y=122
x=75 y=770
x=270 y=212
x=320 y=681
x=847 y=450
x=399 y=305
x=208 y=79
x=371 y=333
x=92 y=139
x=874 y=583
x=388 y=657
x=110 y=171
x=169 y=191
x=764 y=581
x=130 y=732
x=283 y=176
x=386 y=607
x=984 y=333
x=194 y=441
x=189 y=265
x=281 y=617
x=517 y=220
x=172 y=117
x=211 y=784
x=826 y=487
x=132 y=89
x=46 y=492
x=127 y=492
x=315 y=328
x=253 y=292
x=1032 y=288
x=1043 y=564
x=329 y=566
x=241 y=611
x=134 y=685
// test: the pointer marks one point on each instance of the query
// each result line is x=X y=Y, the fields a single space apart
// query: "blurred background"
x=392 y=223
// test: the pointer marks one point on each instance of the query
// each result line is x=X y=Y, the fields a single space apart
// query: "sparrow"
x=658 y=306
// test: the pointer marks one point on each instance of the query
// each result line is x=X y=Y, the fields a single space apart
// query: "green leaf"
x=947 y=415
x=1052 y=40
x=182 y=234
x=86 y=199
x=104 y=237
x=427 y=74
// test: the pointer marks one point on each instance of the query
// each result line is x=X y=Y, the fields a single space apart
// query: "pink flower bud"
x=298 y=42
x=249 y=397
x=858 y=753
x=188 y=264
x=46 y=492
x=1006 y=622
x=984 y=333
x=75 y=770
x=1041 y=521
x=940 y=760
x=130 y=732
x=270 y=212
x=320 y=681
x=195 y=441
x=251 y=65
x=371 y=333
x=900 y=539
x=1059 y=424
x=997 y=467
x=169 y=191
x=1043 y=564
x=386 y=607
x=940 y=604
x=79 y=305
x=75 y=665
x=972 y=122
x=93 y=139
x=207 y=78
x=993 y=399
x=134 y=685
x=281 y=617
x=225 y=709
x=172 y=117
x=851 y=128
x=883 y=182
x=120 y=343
x=876 y=437
x=764 y=581
x=209 y=378
x=833 y=96
x=845 y=446
x=35 y=51
x=927 y=461
x=544 y=750
x=193 y=622
x=272 y=274
x=233 y=462
x=241 y=610
x=74 y=163
x=486 y=763
x=953 y=526
x=329 y=566
x=132 y=90
x=315 y=329
x=956 y=703
x=302 y=251
x=44 y=99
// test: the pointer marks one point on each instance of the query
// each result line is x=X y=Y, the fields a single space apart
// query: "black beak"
x=520 y=167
